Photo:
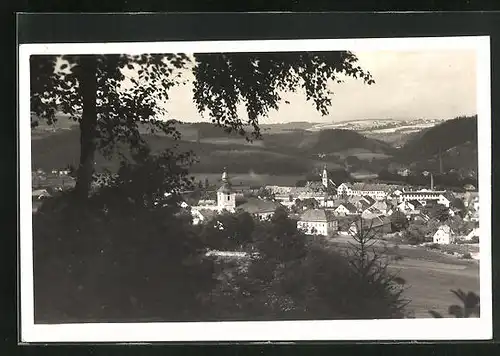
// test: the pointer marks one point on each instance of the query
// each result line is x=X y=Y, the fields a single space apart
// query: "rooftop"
x=319 y=215
x=257 y=206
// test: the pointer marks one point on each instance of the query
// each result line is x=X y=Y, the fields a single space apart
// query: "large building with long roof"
x=229 y=200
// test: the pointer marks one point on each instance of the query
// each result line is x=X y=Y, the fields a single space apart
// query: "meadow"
x=430 y=276
x=430 y=284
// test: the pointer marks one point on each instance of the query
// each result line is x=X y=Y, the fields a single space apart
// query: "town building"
x=443 y=235
x=228 y=199
x=346 y=208
x=201 y=216
x=424 y=196
x=376 y=191
x=317 y=222
x=321 y=191
x=378 y=225
x=404 y=172
x=474 y=233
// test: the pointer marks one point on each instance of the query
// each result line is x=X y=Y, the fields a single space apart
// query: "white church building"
x=227 y=200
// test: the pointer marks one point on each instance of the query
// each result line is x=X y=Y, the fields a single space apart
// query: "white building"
x=345 y=209
x=229 y=200
x=443 y=236
x=317 y=222
x=424 y=195
x=473 y=233
x=376 y=191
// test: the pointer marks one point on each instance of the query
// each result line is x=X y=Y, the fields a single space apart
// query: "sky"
x=408 y=85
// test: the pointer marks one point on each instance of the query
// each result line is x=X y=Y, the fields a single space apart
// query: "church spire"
x=324 y=177
x=224 y=175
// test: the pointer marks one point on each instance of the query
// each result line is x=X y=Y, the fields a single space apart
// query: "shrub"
x=470 y=306
x=297 y=278
x=467 y=256
x=118 y=256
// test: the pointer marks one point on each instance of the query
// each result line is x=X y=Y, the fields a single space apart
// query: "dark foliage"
x=295 y=277
x=338 y=140
x=470 y=307
x=128 y=253
x=399 y=221
x=110 y=95
x=437 y=139
x=256 y=80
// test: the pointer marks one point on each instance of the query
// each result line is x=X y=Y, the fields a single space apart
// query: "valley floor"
x=430 y=277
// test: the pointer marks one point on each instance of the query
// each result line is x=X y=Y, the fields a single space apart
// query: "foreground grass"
x=430 y=275
x=429 y=288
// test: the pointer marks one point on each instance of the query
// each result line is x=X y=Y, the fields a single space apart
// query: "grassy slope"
x=283 y=150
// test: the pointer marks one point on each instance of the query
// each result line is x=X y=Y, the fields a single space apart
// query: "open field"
x=360 y=153
x=429 y=284
x=430 y=276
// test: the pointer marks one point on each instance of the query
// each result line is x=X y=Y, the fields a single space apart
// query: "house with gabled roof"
x=229 y=200
x=369 y=199
x=317 y=222
x=377 y=191
x=346 y=208
x=379 y=225
x=201 y=216
x=371 y=213
x=260 y=208
x=444 y=235
x=381 y=206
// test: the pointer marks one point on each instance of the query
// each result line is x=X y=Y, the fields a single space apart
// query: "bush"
x=434 y=246
x=298 y=278
x=125 y=253
x=470 y=306
x=467 y=256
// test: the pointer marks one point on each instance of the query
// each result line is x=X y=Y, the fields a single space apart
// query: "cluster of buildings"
x=336 y=207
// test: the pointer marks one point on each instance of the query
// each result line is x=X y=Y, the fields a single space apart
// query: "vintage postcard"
x=288 y=190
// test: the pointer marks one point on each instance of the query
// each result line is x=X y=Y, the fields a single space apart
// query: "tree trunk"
x=88 y=83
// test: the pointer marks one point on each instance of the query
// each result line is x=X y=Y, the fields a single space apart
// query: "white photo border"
x=345 y=330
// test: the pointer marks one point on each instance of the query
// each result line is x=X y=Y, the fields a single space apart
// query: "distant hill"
x=337 y=140
x=454 y=140
x=442 y=137
x=59 y=150
x=288 y=149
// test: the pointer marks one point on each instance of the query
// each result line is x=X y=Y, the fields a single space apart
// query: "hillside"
x=440 y=138
x=338 y=140
x=62 y=148
x=285 y=150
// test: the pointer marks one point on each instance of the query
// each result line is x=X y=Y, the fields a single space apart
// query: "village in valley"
x=361 y=218
x=324 y=208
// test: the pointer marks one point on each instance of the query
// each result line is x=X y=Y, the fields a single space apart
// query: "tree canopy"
x=111 y=95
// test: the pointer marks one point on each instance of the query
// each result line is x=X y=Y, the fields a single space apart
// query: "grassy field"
x=429 y=284
x=360 y=153
x=430 y=275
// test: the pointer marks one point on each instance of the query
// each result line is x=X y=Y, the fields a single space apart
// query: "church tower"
x=226 y=197
x=324 y=177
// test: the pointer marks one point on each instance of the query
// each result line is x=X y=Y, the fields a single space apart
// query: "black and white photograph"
x=256 y=190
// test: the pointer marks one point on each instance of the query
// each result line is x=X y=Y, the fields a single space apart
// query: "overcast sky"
x=408 y=85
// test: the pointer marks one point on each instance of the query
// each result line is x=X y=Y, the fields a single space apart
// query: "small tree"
x=310 y=203
x=459 y=205
x=438 y=212
x=470 y=306
x=370 y=264
x=398 y=221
